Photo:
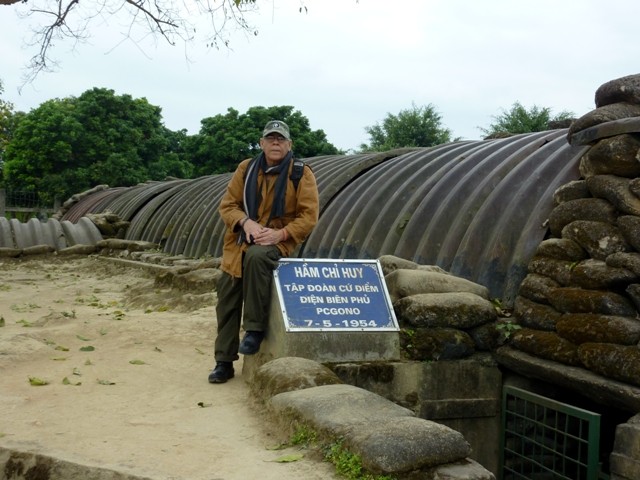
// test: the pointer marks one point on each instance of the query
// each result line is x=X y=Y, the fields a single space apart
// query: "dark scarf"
x=252 y=195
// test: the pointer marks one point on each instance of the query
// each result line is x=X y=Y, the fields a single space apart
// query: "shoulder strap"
x=296 y=172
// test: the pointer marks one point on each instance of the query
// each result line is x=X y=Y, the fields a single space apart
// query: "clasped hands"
x=260 y=235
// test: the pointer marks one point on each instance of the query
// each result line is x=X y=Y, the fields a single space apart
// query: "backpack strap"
x=296 y=172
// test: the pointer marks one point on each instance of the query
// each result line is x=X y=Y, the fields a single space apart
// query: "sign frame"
x=388 y=321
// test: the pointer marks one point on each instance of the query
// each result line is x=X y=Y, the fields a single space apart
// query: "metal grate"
x=543 y=439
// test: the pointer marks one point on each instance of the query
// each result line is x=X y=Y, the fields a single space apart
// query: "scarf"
x=252 y=195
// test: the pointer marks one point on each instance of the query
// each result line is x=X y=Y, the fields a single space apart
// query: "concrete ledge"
x=19 y=465
x=389 y=438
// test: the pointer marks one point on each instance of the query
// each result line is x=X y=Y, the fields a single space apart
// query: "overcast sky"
x=345 y=64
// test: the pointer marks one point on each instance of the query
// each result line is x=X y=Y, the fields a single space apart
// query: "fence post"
x=3 y=202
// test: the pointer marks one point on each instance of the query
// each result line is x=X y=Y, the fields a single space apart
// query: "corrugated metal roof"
x=475 y=208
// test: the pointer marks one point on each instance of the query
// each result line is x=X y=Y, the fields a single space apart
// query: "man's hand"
x=260 y=235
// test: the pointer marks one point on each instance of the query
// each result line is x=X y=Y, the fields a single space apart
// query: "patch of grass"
x=304 y=436
x=347 y=464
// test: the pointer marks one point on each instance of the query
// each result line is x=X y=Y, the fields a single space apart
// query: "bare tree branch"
x=172 y=20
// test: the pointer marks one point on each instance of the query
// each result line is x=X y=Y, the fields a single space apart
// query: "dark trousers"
x=253 y=291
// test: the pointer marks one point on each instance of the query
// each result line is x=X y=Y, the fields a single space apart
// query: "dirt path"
x=126 y=385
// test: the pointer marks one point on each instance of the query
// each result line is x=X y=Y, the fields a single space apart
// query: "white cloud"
x=346 y=64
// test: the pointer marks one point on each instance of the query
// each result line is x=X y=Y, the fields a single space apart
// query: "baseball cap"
x=277 y=126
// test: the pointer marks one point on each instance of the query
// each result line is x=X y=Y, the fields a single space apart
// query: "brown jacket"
x=301 y=213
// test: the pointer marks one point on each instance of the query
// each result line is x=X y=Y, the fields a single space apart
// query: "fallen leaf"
x=61 y=348
x=88 y=348
x=77 y=372
x=37 y=382
x=204 y=405
x=84 y=339
x=292 y=457
x=59 y=359
x=137 y=362
x=157 y=349
x=1 y=321
x=199 y=351
x=105 y=382
x=66 y=381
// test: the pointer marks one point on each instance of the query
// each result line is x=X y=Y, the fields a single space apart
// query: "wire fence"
x=21 y=198
x=23 y=204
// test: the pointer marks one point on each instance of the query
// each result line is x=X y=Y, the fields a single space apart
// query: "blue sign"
x=326 y=295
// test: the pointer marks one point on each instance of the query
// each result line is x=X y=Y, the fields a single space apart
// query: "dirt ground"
x=125 y=368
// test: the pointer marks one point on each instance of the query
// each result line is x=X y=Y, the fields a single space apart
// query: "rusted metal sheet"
x=93 y=203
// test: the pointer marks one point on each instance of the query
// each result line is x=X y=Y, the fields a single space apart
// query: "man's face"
x=275 y=148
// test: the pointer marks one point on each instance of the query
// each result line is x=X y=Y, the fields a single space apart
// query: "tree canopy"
x=522 y=120
x=225 y=140
x=413 y=127
x=68 y=145
x=8 y=120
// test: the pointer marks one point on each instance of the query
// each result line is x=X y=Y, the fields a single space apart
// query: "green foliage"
x=69 y=145
x=521 y=120
x=507 y=328
x=226 y=140
x=304 y=436
x=349 y=465
x=8 y=122
x=413 y=127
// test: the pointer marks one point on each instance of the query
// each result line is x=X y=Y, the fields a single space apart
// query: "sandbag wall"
x=579 y=304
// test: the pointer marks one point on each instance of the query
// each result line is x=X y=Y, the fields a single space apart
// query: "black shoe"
x=222 y=372
x=250 y=344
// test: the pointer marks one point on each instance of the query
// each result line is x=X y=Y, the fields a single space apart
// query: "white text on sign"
x=328 y=272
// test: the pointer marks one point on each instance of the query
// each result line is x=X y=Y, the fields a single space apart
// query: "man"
x=267 y=214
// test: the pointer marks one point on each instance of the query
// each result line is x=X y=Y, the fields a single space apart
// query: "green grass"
x=347 y=464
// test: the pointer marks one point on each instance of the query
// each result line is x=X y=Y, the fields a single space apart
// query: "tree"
x=225 y=140
x=520 y=120
x=8 y=121
x=68 y=145
x=413 y=127
x=171 y=20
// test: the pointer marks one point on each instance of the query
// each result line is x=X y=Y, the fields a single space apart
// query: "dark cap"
x=276 y=126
